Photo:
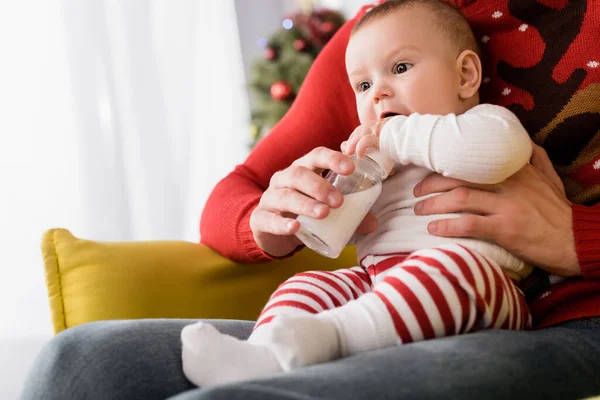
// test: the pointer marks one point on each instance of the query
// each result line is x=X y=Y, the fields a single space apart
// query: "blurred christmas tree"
x=276 y=78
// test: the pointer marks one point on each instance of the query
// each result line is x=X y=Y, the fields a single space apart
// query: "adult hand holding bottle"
x=300 y=189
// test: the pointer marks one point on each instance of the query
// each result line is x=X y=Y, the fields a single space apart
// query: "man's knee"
x=59 y=367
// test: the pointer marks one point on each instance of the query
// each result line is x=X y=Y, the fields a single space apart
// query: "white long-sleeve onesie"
x=486 y=144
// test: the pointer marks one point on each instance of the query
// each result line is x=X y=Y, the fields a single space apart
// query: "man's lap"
x=559 y=362
x=142 y=359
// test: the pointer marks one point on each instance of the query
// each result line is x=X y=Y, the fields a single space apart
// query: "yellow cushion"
x=90 y=281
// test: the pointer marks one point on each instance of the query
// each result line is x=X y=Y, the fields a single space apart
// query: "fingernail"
x=416 y=189
x=346 y=165
x=318 y=209
x=432 y=227
x=343 y=147
x=333 y=198
x=290 y=225
x=418 y=207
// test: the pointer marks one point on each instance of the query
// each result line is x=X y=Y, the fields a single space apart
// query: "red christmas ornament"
x=281 y=90
x=327 y=27
x=270 y=53
x=300 y=44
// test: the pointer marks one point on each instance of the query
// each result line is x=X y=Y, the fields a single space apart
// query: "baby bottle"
x=330 y=235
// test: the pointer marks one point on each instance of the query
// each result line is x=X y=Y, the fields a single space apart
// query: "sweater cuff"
x=586 y=229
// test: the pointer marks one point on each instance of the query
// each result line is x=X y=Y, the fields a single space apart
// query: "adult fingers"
x=285 y=186
x=475 y=226
x=291 y=201
x=265 y=221
x=541 y=161
x=460 y=199
x=322 y=158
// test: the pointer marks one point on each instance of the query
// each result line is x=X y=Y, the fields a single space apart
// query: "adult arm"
x=323 y=114
x=485 y=145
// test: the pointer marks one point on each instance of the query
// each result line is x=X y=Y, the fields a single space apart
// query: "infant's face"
x=403 y=63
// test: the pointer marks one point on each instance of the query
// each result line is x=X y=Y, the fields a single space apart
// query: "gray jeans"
x=142 y=360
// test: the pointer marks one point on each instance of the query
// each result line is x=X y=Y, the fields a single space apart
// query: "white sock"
x=211 y=358
x=299 y=340
x=287 y=342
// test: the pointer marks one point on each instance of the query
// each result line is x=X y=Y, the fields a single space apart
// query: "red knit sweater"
x=541 y=60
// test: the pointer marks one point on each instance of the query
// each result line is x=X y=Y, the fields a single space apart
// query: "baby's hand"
x=363 y=137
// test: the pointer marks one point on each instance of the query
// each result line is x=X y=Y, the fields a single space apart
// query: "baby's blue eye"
x=401 y=68
x=363 y=86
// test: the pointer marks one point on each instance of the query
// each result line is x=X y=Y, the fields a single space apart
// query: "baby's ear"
x=468 y=66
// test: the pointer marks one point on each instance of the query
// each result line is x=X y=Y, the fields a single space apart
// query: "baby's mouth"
x=387 y=114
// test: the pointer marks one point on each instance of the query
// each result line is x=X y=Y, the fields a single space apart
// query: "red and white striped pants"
x=408 y=297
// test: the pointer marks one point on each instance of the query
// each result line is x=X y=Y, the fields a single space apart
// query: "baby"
x=415 y=69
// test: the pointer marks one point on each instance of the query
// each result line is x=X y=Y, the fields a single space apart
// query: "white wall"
x=348 y=7
x=255 y=21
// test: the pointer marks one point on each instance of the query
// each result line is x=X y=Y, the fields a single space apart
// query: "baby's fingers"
x=349 y=146
x=366 y=142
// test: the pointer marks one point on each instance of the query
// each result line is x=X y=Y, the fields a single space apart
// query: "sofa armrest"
x=90 y=280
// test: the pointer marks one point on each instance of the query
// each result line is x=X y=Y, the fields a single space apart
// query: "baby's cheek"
x=367 y=116
x=439 y=96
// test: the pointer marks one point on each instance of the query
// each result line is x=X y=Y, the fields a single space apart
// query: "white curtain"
x=117 y=118
x=162 y=111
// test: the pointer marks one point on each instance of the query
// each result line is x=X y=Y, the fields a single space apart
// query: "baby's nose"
x=380 y=92
x=379 y=95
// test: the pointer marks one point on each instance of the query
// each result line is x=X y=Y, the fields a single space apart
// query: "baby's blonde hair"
x=449 y=18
